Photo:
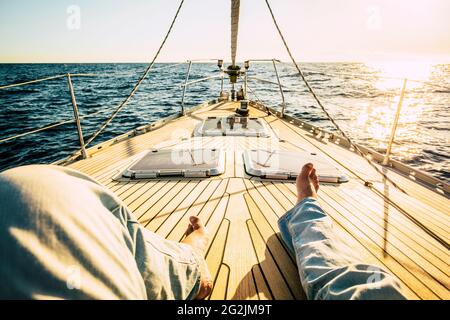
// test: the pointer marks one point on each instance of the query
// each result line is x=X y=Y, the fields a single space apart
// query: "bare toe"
x=196 y=223
x=196 y=235
x=314 y=179
x=306 y=185
x=198 y=238
x=306 y=171
x=189 y=230
x=206 y=286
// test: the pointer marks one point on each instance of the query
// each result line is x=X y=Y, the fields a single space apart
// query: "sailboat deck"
x=408 y=234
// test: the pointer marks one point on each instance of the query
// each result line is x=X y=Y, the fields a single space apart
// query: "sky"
x=132 y=30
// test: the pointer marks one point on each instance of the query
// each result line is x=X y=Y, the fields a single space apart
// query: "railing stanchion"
x=395 y=124
x=183 y=112
x=76 y=116
x=281 y=88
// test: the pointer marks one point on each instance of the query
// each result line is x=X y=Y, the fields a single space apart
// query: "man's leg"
x=198 y=237
x=63 y=235
x=328 y=268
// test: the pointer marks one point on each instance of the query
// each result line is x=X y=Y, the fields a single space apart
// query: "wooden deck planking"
x=394 y=260
x=205 y=202
x=246 y=256
x=358 y=164
x=136 y=192
x=393 y=218
x=373 y=238
x=267 y=265
x=263 y=290
x=177 y=190
x=214 y=256
x=431 y=217
x=239 y=253
x=352 y=239
x=143 y=199
x=169 y=207
x=403 y=230
x=144 y=212
x=219 y=291
x=276 y=258
x=176 y=216
x=293 y=199
x=419 y=212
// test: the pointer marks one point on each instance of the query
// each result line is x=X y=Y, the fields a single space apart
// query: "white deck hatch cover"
x=195 y=163
x=286 y=165
x=232 y=126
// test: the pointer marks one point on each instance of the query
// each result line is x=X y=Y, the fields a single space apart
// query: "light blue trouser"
x=328 y=267
x=64 y=236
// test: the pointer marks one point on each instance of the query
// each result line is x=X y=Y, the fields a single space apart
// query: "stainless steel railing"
x=283 y=101
x=76 y=116
x=185 y=86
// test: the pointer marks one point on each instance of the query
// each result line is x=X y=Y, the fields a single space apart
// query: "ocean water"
x=361 y=97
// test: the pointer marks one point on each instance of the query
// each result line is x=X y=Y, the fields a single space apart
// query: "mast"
x=234 y=71
x=235 y=5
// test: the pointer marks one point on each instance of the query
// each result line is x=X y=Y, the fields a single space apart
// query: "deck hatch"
x=232 y=126
x=190 y=163
x=284 y=165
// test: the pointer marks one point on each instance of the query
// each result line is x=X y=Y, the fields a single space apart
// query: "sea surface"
x=361 y=97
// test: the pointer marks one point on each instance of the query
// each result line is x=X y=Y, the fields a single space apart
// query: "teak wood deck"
x=408 y=234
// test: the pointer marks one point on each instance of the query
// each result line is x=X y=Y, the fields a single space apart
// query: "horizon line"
x=209 y=61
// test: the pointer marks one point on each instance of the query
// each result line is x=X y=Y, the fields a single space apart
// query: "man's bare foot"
x=307 y=183
x=197 y=236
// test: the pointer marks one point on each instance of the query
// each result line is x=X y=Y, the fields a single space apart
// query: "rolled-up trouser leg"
x=63 y=235
x=328 y=267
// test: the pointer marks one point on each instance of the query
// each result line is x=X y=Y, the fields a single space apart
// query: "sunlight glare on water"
x=392 y=73
x=378 y=121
